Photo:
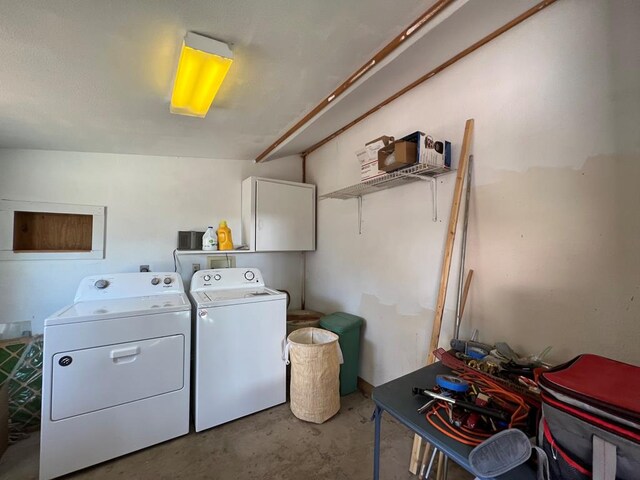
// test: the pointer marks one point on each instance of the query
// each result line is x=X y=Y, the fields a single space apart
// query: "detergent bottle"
x=209 y=239
x=224 y=237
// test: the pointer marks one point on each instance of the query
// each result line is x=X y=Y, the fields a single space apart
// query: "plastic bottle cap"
x=223 y=223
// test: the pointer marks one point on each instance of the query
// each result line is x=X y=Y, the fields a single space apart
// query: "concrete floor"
x=268 y=445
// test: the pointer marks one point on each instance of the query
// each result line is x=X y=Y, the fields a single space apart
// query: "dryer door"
x=95 y=378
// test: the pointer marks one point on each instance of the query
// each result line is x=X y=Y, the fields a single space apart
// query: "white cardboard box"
x=437 y=152
x=363 y=156
x=372 y=150
x=431 y=151
x=370 y=170
x=368 y=158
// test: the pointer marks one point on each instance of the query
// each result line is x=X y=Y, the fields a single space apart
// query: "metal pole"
x=445 y=469
x=359 y=214
x=304 y=281
x=376 y=445
x=463 y=249
x=433 y=457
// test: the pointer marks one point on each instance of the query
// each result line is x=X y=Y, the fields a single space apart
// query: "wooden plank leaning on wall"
x=461 y=174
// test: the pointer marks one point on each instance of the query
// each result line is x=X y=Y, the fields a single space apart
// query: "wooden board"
x=463 y=164
x=465 y=292
x=516 y=21
x=415 y=454
x=451 y=236
x=51 y=232
x=402 y=37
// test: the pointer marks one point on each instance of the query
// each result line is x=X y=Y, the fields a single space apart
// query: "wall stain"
x=570 y=278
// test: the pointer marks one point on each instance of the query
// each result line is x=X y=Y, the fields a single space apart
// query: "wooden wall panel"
x=52 y=232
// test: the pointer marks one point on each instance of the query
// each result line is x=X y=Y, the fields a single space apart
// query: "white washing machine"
x=115 y=370
x=239 y=337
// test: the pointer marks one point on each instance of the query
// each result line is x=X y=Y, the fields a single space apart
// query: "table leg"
x=377 y=414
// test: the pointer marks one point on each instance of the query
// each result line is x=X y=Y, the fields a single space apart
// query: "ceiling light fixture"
x=203 y=64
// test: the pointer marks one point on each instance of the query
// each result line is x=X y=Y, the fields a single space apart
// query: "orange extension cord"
x=490 y=388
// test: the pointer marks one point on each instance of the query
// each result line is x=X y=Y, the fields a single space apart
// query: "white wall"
x=554 y=230
x=148 y=200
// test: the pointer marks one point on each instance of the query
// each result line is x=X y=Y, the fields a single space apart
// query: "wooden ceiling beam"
x=519 y=19
x=423 y=20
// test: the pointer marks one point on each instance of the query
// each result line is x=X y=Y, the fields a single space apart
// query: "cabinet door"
x=285 y=217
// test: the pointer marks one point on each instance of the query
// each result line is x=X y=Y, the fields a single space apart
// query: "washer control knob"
x=168 y=280
x=101 y=284
x=155 y=281
x=249 y=275
x=217 y=277
x=206 y=278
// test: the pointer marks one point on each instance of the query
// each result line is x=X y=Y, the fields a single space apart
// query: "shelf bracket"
x=434 y=193
x=360 y=215
x=434 y=190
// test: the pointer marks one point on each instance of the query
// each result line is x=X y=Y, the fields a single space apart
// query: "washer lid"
x=207 y=298
x=118 y=308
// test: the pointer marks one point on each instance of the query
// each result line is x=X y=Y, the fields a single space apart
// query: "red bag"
x=591 y=419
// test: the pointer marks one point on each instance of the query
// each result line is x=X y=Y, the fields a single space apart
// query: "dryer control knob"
x=249 y=275
x=155 y=281
x=206 y=278
x=217 y=277
x=168 y=280
x=100 y=284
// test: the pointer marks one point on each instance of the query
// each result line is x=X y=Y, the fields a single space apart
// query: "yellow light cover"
x=198 y=80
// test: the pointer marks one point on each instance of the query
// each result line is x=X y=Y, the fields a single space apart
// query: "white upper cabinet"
x=278 y=216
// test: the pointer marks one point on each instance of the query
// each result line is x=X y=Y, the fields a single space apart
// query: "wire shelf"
x=407 y=175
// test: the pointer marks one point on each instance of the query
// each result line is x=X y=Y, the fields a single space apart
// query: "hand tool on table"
x=426 y=406
x=463 y=345
x=490 y=412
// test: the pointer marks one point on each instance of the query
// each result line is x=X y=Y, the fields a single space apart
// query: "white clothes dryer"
x=239 y=337
x=116 y=370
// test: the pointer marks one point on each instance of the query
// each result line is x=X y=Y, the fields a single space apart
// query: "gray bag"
x=503 y=452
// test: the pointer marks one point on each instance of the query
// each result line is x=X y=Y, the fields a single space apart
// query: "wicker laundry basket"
x=315 y=374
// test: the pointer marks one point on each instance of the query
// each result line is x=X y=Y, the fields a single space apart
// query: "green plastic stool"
x=347 y=327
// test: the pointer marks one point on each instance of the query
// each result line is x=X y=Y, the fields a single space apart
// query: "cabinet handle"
x=128 y=354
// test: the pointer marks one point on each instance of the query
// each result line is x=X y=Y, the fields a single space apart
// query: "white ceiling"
x=96 y=75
